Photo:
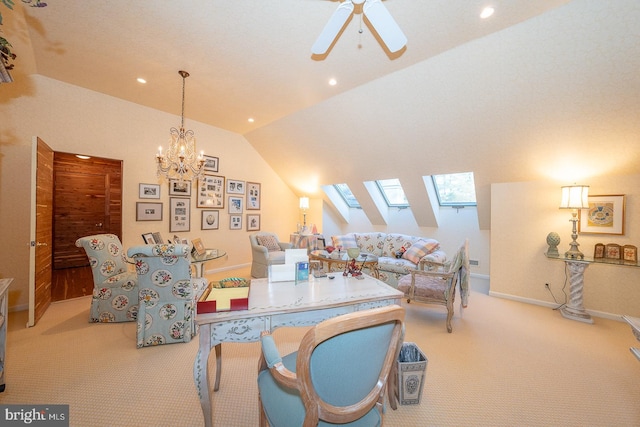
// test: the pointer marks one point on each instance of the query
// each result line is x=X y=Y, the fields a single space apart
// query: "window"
x=456 y=189
x=347 y=195
x=392 y=192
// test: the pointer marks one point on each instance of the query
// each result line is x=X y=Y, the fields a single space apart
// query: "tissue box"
x=216 y=298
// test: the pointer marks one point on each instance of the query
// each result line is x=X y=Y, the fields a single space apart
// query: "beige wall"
x=72 y=119
x=522 y=216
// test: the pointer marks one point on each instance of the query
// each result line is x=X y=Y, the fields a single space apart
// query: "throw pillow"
x=346 y=241
x=268 y=242
x=419 y=249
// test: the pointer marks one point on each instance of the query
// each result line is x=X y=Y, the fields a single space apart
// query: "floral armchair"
x=168 y=294
x=115 y=289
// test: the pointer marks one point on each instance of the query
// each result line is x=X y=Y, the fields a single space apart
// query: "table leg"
x=574 y=309
x=216 y=385
x=200 y=374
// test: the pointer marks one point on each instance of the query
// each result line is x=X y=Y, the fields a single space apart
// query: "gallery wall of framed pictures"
x=214 y=194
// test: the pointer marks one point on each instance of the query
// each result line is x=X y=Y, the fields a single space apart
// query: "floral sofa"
x=386 y=246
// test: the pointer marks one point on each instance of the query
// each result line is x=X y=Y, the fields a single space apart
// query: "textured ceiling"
x=247 y=58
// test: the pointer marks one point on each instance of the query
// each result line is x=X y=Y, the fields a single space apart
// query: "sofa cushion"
x=394 y=265
x=419 y=249
x=395 y=241
x=268 y=242
x=371 y=243
x=346 y=241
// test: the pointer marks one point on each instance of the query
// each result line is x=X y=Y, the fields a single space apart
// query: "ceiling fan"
x=375 y=12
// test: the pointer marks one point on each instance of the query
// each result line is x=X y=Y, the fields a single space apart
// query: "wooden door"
x=87 y=200
x=41 y=230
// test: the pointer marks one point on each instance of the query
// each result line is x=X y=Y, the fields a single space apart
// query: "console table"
x=4 y=286
x=273 y=305
x=574 y=309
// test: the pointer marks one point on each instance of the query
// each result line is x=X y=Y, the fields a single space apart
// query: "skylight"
x=456 y=189
x=347 y=195
x=393 y=192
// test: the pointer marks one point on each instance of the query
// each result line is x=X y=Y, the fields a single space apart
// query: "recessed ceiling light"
x=141 y=80
x=82 y=157
x=487 y=12
x=333 y=82
x=250 y=120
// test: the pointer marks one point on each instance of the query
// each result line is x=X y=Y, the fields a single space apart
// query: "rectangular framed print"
x=179 y=214
x=235 y=222
x=235 y=187
x=253 y=222
x=211 y=164
x=148 y=239
x=177 y=188
x=210 y=220
x=235 y=204
x=146 y=211
x=253 y=196
x=605 y=215
x=211 y=192
x=149 y=191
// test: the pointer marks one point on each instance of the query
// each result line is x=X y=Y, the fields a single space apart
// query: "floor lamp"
x=574 y=197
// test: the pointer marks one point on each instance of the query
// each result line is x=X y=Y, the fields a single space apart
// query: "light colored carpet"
x=505 y=364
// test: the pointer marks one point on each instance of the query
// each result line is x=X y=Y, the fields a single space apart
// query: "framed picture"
x=211 y=163
x=598 y=251
x=235 y=205
x=320 y=243
x=211 y=192
x=253 y=222
x=235 y=187
x=157 y=238
x=198 y=246
x=210 y=220
x=630 y=254
x=612 y=251
x=235 y=222
x=605 y=215
x=148 y=239
x=179 y=241
x=179 y=214
x=146 y=211
x=177 y=188
x=149 y=191
x=253 y=196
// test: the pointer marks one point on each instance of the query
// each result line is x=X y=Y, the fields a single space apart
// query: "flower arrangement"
x=6 y=54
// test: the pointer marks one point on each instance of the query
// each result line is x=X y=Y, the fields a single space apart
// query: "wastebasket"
x=412 y=366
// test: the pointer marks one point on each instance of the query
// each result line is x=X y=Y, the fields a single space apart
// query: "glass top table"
x=208 y=255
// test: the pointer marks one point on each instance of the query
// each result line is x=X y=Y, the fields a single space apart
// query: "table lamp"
x=304 y=206
x=574 y=197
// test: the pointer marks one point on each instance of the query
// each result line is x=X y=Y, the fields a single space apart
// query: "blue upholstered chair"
x=338 y=375
x=168 y=294
x=115 y=288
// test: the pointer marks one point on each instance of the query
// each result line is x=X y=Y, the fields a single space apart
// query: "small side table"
x=200 y=260
x=4 y=312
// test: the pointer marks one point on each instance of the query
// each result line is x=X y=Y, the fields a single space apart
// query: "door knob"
x=99 y=225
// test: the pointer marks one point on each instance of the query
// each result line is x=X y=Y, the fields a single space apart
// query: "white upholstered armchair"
x=266 y=249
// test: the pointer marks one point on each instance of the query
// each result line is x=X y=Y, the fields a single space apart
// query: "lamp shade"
x=575 y=197
x=304 y=203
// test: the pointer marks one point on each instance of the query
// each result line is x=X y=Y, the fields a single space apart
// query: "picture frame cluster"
x=214 y=193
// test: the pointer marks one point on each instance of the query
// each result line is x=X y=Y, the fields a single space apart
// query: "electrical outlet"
x=474 y=262
x=546 y=285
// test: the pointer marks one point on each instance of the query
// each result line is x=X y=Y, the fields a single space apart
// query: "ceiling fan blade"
x=333 y=27
x=385 y=25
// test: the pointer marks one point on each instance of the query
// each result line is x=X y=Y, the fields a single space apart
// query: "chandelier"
x=180 y=161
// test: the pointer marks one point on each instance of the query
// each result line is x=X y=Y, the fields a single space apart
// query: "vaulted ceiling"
x=542 y=89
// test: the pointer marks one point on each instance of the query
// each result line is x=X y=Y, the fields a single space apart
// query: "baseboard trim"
x=227 y=268
x=594 y=313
